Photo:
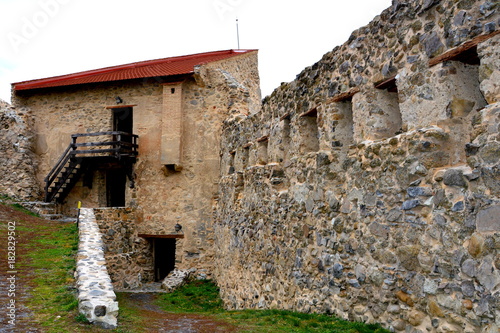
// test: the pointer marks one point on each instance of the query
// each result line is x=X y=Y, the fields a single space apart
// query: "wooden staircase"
x=79 y=157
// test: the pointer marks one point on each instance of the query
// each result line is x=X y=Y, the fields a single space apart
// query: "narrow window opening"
x=172 y=90
x=343 y=128
x=173 y=168
x=245 y=156
x=262 y=147
x=285 y=138
x=388 y=101
x=309 y=133
x=231 y=162
x=460 y=66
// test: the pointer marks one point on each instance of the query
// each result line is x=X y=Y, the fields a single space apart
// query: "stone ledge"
x=96 y=298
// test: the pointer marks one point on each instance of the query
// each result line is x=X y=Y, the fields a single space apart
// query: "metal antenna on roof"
x=237 y=33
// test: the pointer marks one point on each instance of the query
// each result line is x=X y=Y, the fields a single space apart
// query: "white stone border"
x=96 y=298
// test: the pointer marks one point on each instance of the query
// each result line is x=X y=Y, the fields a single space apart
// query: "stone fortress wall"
x=17 y=158
x=369 y=187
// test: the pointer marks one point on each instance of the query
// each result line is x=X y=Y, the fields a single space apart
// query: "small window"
x=245 y=155
x=231 y=162
x=389 y=99
x=262 y=145
x=343 y=128
x=308 y=130
x=285 y=138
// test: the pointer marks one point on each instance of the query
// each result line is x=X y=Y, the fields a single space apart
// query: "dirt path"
x=160 y=321
x=14 y=275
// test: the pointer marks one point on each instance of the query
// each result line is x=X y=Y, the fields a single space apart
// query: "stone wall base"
x=96 y=298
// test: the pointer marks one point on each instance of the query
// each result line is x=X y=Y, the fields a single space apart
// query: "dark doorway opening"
x=123 y=121
x=164 y=256
x=116 y=180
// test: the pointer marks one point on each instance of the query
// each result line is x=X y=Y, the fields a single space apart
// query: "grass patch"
x=203 y=297
x=21 y=208
x=130 y=320
x=53 y=294
x=289 y=321
x=198 y=296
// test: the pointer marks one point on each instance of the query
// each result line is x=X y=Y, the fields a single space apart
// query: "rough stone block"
x=488 y=219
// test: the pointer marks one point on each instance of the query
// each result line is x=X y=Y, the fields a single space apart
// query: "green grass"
x=203 y=297
x=200 y=296
x=53 y=294
x=130 y=320
x=9 y=201
x=20 y=208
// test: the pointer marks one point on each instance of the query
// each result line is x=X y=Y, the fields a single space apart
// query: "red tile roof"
x=151 y=68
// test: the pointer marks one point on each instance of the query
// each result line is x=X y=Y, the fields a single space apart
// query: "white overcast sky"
x=43 y=38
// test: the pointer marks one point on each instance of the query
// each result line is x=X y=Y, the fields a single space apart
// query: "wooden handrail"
x=119 y=149
x=57 y=169
x=103 y=133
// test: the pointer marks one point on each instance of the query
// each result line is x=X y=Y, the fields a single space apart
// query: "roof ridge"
x=54 y=80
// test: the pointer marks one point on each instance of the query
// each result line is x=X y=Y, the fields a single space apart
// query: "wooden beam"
x=343 y=96
x=247 y=145
x=285 y=116
x=311 y=113
x=120 y=106
x=161 y=236
x=263 y=138
x=388 y=84
x=78 y=135
x=453 y=53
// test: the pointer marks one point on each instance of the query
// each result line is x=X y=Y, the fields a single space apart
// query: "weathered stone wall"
x=167 y=197
x=96 y=297
x=375 y=204
x=129 y=257
x=179 y=124
x=17 y=161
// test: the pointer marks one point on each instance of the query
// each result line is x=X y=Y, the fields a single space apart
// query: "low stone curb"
x=96 y=298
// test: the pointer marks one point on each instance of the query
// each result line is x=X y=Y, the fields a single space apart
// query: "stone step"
x=67 y=219
x=52 y=217
x=39 y=207
x=47 y=210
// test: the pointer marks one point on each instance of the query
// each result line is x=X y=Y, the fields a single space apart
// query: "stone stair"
x=47 y=210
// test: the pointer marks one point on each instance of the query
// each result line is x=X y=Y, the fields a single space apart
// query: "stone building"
x=143 y=137
x=369 y=187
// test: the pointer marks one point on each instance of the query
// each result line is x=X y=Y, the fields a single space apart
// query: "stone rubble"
x=176 y=279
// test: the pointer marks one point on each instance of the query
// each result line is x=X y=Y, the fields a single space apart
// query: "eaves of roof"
x=145 y=69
